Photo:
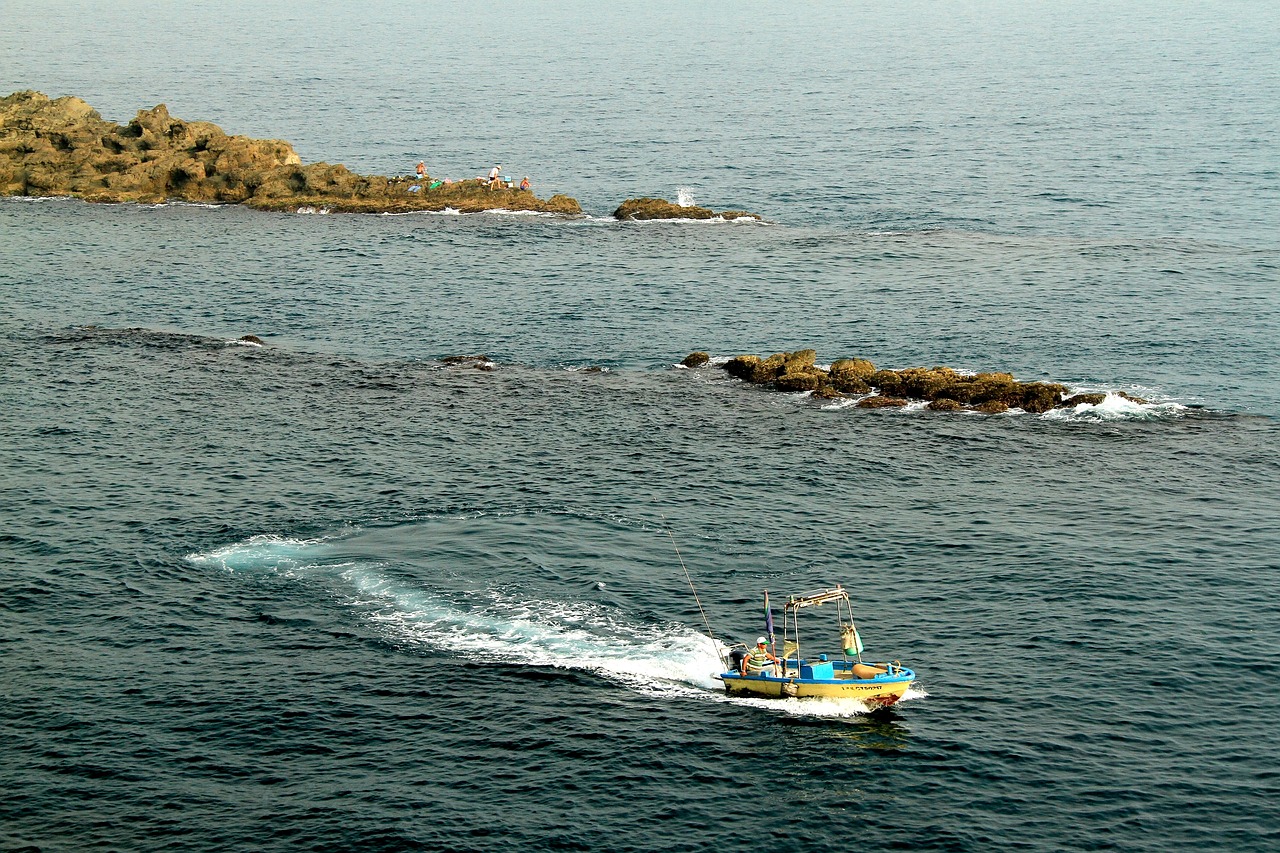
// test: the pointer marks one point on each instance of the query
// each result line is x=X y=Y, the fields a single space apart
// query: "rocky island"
x=945 y=389
x=63 y=147
x=658 y=208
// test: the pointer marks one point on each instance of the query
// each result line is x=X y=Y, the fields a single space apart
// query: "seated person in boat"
x=760 y=661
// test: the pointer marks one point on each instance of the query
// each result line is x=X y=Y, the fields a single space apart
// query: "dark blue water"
x=332 y=593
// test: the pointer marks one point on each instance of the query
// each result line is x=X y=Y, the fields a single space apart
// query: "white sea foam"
x=502 y=211
x=496 y=627
x=814 y=707
x=684 y=197
x=266 y=553
x=1115 y=408
x=714 y=220
x=805 y=707
x=489 y=626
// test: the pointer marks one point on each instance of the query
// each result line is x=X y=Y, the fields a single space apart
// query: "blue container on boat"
x=817 y=670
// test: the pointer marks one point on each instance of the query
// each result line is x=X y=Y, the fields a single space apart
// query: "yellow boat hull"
x=880 y=691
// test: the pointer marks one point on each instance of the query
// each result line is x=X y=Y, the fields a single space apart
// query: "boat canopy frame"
x=791 y=619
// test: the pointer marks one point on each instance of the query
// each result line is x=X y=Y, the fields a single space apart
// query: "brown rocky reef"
x=657 y=208
x=943 y=387
x=64 y=147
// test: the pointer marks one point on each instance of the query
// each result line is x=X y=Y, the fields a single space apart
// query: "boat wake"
x=503 y=626
x=815 y=707
x=492 y=625
x=487 y=625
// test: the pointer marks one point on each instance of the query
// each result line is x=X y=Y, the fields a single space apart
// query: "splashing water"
x=1115 y=408
x=684 y=197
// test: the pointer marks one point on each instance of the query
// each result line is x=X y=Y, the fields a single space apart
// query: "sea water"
x=331 y=592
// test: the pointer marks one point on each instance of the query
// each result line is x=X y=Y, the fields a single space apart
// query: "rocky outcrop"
x=657 y=208
x=943 y=388
x=64 y=147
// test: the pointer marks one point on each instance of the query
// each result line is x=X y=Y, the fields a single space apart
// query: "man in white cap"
x=761 y=660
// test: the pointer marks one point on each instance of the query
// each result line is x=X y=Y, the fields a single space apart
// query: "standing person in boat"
x=761 y=660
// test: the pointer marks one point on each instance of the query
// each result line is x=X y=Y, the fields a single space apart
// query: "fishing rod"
x=705 y=620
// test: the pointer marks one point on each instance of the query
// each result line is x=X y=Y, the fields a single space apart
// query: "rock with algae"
x=658 y=208
x=944 y=388
x=63 y=147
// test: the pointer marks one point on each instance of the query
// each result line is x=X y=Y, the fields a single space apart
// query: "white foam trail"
x=500 y=628
x=265 y=553
x=491 y=626
x=841 y=708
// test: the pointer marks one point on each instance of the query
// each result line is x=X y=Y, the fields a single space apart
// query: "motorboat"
x=828 y=676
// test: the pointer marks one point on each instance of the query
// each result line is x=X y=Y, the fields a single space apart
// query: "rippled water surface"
x=335 y=593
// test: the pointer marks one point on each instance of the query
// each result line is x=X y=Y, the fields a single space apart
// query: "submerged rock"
x=465 y=359
x=659 y=208
x=945 y=388
x=64 y=147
